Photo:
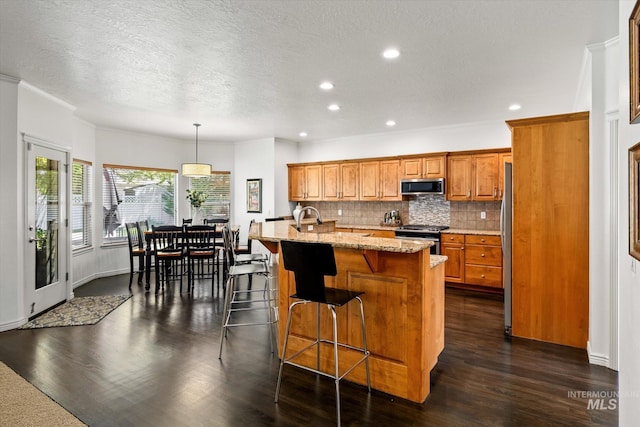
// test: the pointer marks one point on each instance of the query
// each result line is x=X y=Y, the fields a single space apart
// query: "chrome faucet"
x=299 y=219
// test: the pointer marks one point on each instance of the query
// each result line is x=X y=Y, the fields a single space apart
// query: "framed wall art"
x=634 y=201
x=254 y=195
x=634 y=64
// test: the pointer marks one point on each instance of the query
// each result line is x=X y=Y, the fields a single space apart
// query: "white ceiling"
x=251 y=69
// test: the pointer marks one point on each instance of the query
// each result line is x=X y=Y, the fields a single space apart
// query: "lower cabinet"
x=474 y=260
x=452 y=245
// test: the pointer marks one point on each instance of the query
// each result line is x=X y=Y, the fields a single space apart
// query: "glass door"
x=46 y=221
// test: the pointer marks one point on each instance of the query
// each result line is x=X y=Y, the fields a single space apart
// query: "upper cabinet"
x=476 y=176
x=340 y=181
x=380 y=180
x=305 y=182
x=423 y=167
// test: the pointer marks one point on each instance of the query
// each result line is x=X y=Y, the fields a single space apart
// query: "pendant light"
x=196 y=170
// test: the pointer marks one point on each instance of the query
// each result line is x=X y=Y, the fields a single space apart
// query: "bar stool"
x=310 y=262
x=235 y=304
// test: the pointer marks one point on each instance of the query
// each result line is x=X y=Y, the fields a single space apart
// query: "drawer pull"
x=482 y=255
x=482 y=240
x=482 y=275
x=450 y=238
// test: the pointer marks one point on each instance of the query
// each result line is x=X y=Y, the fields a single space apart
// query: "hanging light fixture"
x=196 y=170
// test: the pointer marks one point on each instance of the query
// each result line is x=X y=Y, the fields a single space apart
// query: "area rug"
x=78 y=312
x=22 y=404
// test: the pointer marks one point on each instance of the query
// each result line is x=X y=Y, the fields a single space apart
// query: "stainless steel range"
x=422 y=232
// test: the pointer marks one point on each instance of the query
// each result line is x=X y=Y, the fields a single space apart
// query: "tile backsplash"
x=467 y=215
x=422 y=209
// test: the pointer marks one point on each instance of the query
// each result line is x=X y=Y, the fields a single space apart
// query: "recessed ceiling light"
x=302 y=134
x=326 y=85
x=334 y=107
x=391 y=53
x=515 y=107
x=391 y=123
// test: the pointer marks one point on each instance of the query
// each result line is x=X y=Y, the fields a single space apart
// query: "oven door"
x=435 y=249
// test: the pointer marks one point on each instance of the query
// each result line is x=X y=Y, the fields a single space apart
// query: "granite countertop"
x=283 y=230
x=476 y=232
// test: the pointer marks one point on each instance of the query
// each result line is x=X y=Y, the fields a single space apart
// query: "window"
x=132 y=194
x=81 y=206
x=217 y=188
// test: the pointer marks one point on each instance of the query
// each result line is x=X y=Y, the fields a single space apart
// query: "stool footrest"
x=288 y=360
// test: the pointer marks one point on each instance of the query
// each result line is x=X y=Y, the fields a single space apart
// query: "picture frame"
x=634 y=201
x=634 y=65
x=254 y=195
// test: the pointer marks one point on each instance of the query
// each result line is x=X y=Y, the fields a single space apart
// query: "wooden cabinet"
x=305 y=182
x=485 y=176
x=459 y=179
x=550 y=244
x=475 y=176
x=483 y=260
x=380 y=180
x=340 y=181
x=474 y=260
x=503 y=158
x=452 y=246
x=423 y=167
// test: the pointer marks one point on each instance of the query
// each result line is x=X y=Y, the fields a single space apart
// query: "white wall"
x=603 y=105
x=471 y=136
x=285 y=152
x=253 y=159
x=83 y=263
x=627 y=268
x=11 y=295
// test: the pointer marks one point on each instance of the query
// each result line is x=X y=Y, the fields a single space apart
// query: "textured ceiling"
x=251 y=69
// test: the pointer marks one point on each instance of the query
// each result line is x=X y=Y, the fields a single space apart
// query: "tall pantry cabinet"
x=550 y=243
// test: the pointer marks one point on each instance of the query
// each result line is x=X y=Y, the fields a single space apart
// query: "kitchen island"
x=403 y=305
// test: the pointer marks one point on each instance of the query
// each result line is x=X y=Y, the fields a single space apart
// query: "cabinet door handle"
x=495 y=192
x=482 y=275
x=482 y=255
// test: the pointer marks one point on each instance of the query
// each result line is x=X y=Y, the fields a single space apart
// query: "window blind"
x=217 y=189
x=81 y=204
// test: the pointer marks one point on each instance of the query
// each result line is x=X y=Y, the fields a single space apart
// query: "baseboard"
x=94 y=276
x=13 y=325
x=597 y=359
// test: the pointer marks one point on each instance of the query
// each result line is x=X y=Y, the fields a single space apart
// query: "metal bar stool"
x=234 y=303
x=310 y=262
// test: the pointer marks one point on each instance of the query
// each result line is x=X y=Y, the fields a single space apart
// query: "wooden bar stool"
x=310 y=262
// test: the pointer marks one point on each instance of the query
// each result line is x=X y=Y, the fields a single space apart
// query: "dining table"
x=148 y=246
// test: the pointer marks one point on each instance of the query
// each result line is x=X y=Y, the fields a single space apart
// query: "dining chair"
x=201 y=253
x=135 y=240
x=170 y=253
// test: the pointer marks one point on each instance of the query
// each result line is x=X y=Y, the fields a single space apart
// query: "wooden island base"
x=404 y=315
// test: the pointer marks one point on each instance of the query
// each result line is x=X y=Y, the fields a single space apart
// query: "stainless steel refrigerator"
x=506 y=217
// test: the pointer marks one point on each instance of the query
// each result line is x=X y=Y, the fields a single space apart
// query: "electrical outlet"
x=483 y=215
x=339 y=212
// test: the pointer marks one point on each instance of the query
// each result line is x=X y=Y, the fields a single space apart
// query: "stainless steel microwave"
x=410 y=187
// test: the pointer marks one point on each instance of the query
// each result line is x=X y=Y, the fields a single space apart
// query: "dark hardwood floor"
x=153 y=362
